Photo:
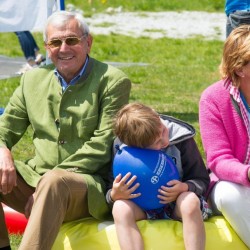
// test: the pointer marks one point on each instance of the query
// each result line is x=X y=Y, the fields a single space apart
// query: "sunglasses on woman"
x=70 y=41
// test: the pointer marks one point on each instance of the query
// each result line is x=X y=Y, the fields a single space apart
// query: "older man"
x=69 y=106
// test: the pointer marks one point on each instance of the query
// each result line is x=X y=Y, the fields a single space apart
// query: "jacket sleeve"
x=216 y=127
x=14 y=121
x=195 y=173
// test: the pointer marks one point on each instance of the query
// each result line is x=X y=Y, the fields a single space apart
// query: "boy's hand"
x=172 y=191
x=123 y=188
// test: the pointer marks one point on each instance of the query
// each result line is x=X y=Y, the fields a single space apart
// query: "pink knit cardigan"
x=224 y=135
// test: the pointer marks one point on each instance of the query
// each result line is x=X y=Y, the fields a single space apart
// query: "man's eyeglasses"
x=70 y=41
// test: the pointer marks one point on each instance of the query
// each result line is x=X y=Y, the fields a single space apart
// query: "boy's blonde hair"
x=137 y=125
x=236 y=54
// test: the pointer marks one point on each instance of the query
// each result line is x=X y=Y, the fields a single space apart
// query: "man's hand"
x=7 y=171
x=123 y=188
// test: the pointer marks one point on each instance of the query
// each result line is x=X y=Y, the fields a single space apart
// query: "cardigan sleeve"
x=222 y=136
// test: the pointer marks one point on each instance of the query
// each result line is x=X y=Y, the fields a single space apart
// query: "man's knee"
x=66 y=188
x=60 y=176
x=62 y=181
x=52 y=178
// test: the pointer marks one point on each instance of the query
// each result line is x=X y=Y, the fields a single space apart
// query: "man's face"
x=68 y=59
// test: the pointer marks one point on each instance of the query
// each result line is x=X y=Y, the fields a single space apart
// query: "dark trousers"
x=28 y=44
x=236 y=19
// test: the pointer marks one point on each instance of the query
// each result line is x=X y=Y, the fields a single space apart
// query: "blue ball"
x=153 y=169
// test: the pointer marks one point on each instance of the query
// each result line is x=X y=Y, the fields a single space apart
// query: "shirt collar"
x=234 y=91
x=63 y=83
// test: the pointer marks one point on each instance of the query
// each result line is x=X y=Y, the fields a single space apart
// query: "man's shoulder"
x=38 y=74
x=40 y=71
x=38 y=79
x=105 y=67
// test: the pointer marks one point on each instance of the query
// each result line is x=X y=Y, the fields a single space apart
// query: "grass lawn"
x=177 y=72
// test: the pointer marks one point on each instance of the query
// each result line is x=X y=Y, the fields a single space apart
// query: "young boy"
x=139 y=126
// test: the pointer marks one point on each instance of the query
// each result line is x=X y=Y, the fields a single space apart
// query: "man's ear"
x=89 y=42
x=47 y=50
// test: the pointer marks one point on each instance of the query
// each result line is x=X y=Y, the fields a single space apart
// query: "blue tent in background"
x=27 y=14
x=62 y=5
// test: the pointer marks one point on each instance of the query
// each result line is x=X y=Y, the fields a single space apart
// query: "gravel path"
x=160 y=24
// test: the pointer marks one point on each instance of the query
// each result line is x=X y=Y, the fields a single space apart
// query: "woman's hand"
x=124 y=187
x=170 y=192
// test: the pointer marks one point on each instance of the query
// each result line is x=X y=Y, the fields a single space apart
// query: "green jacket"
x=72 y=130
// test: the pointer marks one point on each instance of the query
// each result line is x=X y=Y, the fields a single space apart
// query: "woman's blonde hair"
x=236 y=53
x=137 y=125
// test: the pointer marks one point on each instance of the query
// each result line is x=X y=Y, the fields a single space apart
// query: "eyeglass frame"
x=62 y=40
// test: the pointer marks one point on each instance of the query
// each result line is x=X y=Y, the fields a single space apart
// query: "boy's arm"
x=195 y=174
x=111 y=178
x=109 y=188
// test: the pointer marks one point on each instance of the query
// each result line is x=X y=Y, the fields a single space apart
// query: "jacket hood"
x=178 y=129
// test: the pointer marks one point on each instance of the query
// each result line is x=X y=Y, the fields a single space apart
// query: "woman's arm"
x=222 y=139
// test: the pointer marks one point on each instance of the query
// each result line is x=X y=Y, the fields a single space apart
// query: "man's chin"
x=64 y=67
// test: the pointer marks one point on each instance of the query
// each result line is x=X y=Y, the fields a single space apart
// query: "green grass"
x=177 y=72
x=150 y=5
x=15 y=240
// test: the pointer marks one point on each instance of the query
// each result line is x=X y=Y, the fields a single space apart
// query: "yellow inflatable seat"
x=91 y=234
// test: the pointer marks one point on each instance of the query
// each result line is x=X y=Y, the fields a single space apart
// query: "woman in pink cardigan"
x=224 y=118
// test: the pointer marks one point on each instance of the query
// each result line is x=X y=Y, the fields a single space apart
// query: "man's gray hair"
x=59 y=18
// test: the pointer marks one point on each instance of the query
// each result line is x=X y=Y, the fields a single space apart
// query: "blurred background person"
x=238 y=12
x=30 y=50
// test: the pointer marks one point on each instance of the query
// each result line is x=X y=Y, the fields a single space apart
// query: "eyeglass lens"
x=71 y=41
